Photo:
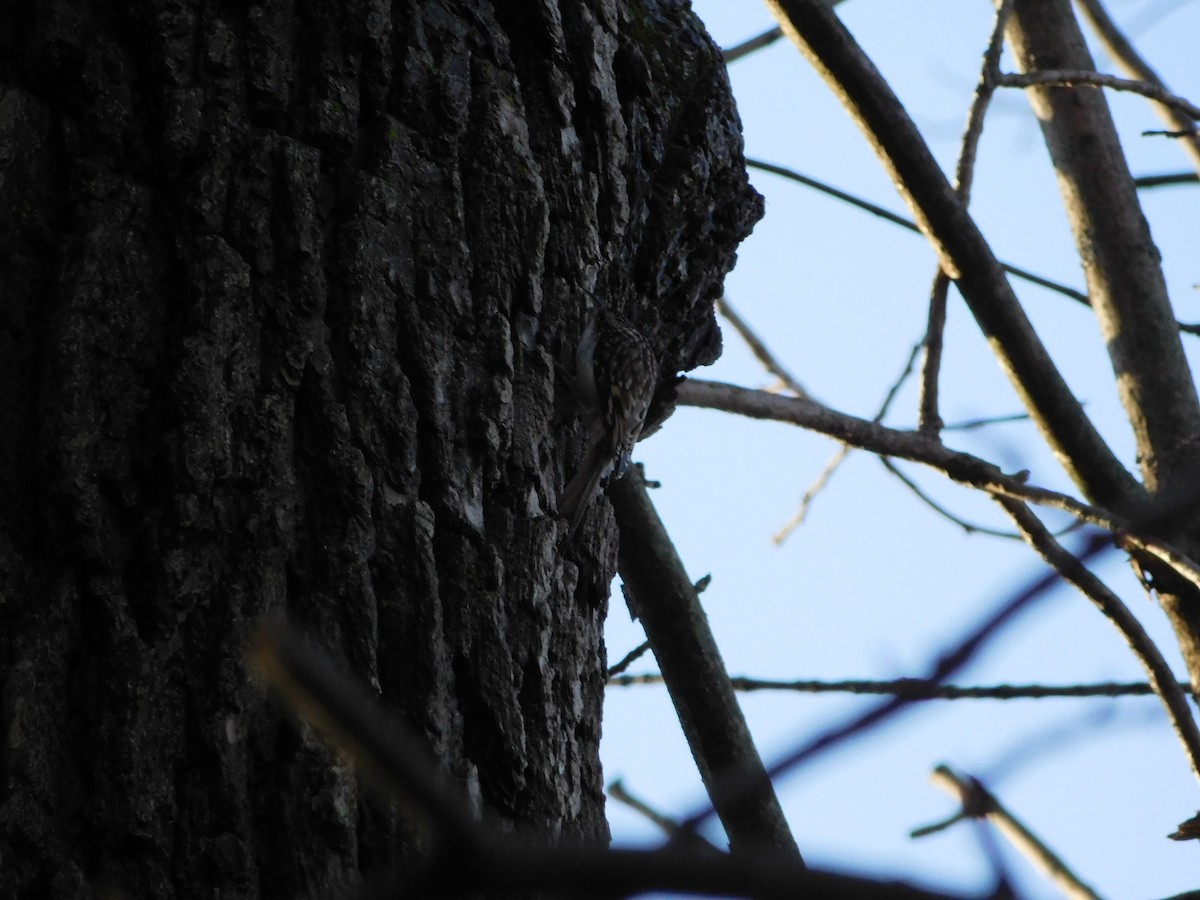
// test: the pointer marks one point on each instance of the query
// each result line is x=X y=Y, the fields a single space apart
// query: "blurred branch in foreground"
x=466 y=856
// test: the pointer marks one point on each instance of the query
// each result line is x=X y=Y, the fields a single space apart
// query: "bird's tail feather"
x=580 y=490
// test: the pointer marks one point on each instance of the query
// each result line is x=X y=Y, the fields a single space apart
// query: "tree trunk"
x=284 y=296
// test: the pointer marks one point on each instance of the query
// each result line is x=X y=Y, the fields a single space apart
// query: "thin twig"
x=894 y=390
x=835 y=461
x=876 y=210
x=964 y=172
x=920 y=493
x=746 y=47
x=811 y=493
x=917 y=689
x=629 y=659
x=768 y=37
x=972 y=424
x=769 y=361
x=1157 y=670
x=1173 y=178
x=929 y=419
x=669 y=826
x=1084 y=78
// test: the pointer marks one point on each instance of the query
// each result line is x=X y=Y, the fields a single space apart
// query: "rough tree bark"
x=285 y=290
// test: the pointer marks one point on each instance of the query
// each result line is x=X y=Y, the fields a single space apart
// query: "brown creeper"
x=615 y=376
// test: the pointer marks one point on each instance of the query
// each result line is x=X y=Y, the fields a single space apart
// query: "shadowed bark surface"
x=285 y=294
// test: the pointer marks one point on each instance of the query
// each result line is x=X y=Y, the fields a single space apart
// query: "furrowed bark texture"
x=1125 y=284
x=284 y=294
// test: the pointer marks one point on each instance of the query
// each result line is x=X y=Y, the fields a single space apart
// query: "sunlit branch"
x=1135 y=66
x=962 y=250
x=977 y=802
x=665 y=600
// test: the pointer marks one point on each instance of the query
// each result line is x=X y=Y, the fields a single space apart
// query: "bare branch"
x=759 y=349
x=1153 y=181
x=1146 y=651
x=716 y=731
x=759 y=41
x=1085 y=78
x=964 y=172
x=1131 y=62
x=978 y=802
x=929 y=419
x=811 y=493
x=972 y=424
x=960 y=467
x=745 y=48
x=835 y=461
x=669 y=826
x=888 y=215
x=918 y=689
x=1120 y=259
x=1125 y=280
x=629 y=659
x=921 y=495
x=962 y=251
